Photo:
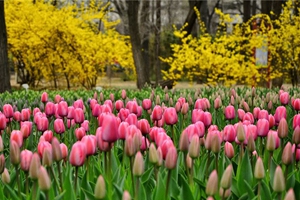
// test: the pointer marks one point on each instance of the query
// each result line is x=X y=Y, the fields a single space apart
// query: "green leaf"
x=244 y=174
x=88 y=194
x=185 y=190
x=60 y=196
x=12 y=193
x=265 y=191
x=141 y=192
x=68 y=184
x=250 y=192
x=297 y=188
x=147 y=175
x=160 y=190
x=118 y=191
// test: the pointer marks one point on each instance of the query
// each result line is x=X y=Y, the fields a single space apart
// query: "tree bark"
x=266 y=6
x=4 y=67
x=247 y=11
x=132 y=11
x=145 y=30
x=253 y=7
x=157 y=41
x=191 y=17
x=277 y=7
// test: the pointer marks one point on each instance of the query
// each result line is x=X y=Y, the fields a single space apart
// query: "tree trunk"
x=266 y=6
x=191 y=17
x=4 y=67
x=277 y=7
x=247 y=11
x=157 y=41
x=145 y=30
x=132 y=11
x=253 y=7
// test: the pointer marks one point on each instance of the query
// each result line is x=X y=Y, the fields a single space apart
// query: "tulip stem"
x=279 y=195
x=18 y=180
x=55 y=178
x=47 y=194
x=26 y=183
x=60 y=175
x=261 y=146
x=217 y=164
x=208 y=162
x=223 y=194
x=270 y=158
x=172 y=132
x=192 y=172
x=75 y=184
x=34 y=189
x=109 y=173
x=131 y=173
x=137 y=183
x=168 y=183
x=258 y=190
x=241 y=152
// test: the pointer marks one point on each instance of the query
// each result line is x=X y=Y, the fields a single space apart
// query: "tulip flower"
x=146 y=104
x=5 y=177
x=109 y=128
x=78 y=115
x=284 y=98
x=62 y=109
x=8 y=111
x=100 y=188
x=25 y=158
x=44 y=97
x=229 y=112
x=2 y=121
x=2 y=163
x=212 y=184
x=280 y=113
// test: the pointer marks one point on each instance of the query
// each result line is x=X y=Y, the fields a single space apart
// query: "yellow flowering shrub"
x=228 y=58
x=64 y=43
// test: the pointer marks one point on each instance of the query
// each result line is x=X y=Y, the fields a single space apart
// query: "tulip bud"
x=1 y=144
x=225 y=194
x=271 y=142
x=290 y=195
x=44 y=179
x=78 y=154
x=171 y=158
x=287 y=154
x=283 y=128
x=189 y=161
x=100 y=188
x=34 y=167
x=215 y=143
x=212 y=184
x=251 y=143
x=259 y=170
x=184 y=142
x=56 y=150
x=2 y=163
x=194 y=147
x=160 y=157
x=240 y=133
x=226 y=178
x=47 y=157
x=5 y=177
x=279 y=181
x=138 y=165
x=14 y=153
x=153 y=157
x=25 y=157
x=229 y=150
x=296 y=135
x=126 y=195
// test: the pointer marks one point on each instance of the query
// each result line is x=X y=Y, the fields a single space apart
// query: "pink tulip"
x=229 y=112
x=229 y=133
x=25 y=114
x=296 y=104
x=145 y=144
x=122 y=130
x=146 y=104
x=171 y=158
x=17 y=116
x=197 y=115
x=71 y=112
x=25 y=158
x=101 y=144
x=166 y=146
x=44 y=97
x=144 y=126
x=2 y=121
x=280 y=113
x=271 y=121
x=110 y=128
x=123 y=114
x=207 y=118
x=48 y=135
x=50 y=109
x=8 y=111
x=96 y=110
x=256 y=111
x=59 y=126
x=241 y=114
x=17 y=136
x=263 y=114
x=62 y=109
x=123 y=94
x=57 y=98
x=41 y=147
x=229 y=150
x=26 y=130
x=248 y=117
x=284 y=98
x=170 y=116
x=78 y=154
x=157 y=113
x=92 y=103
x=78 y=115
x=184 y=108
x=119 y=104
x=78 y=104
x=262 y=127
x=217 y=103
x=296 y=121
x=108 y=103
x=79 y=133
x=42 y=124
x=90 y=142
x=64 y=151
x=85 y=125
x=132 y=119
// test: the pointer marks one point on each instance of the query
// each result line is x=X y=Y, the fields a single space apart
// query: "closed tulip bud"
x=14 y=153
x=226 y=178
x=225 y=194
x=138 y=165
x=110 y=128
x=62 y=109
x=78 y=154
x=78 y=115
x=44 y=97
x=48 y=135
x=44 y=179
x=296 y=135
x=229 y=112
x=262 y=127
x=90 y=142
x=229 y=150
x=64 y=151
x=126 y=195
x=160 y=157
x=25 y=158
x=2 y=163
x=59 y=126
x=146 y=104
x=157 y=113
x=283 y=129
x=280 y=113
x=189 y=161
x=212 y=184
x=34 y=167
x=129 y=146
x=185 y=108
x=278 y=181
x=171 y=158
x=17 y=136
x=184 y=142
x=153 y=157
x=290 y=195
x=215 y=143
x=284 y=98
x=25 y=130
x=240 y=133
x=217 y=103
x=271 y=142
x=194 y=147
x=8 y=111
x=100 y=188
x=47 y=159
x=251 y=143
x=157 y=101
x=56 y=150
x=79 y=133
x=287 y=154
x=259 y=170
x=5 y=176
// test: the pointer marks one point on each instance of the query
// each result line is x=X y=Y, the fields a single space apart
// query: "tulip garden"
x=209 y=143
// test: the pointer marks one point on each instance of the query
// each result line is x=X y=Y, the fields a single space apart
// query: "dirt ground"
x=113 y=83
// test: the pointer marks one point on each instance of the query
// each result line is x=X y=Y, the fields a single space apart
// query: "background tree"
x=4 y=67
